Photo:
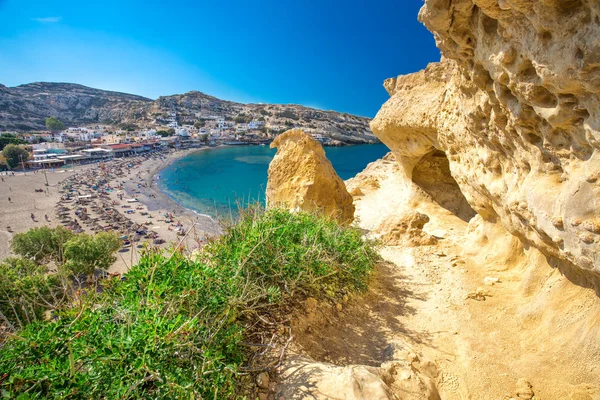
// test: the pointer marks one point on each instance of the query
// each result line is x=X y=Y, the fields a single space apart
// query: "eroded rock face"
x=302 y=178
x=405 y=377
x=407 y=229
x=514 y=105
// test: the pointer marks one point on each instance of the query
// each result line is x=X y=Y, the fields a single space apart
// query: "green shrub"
x=174 y=328
x=86 y=253
x=42 y=244
x=26 y=291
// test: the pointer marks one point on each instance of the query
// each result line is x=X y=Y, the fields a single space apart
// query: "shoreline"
x=155 y=199
x=25 y=208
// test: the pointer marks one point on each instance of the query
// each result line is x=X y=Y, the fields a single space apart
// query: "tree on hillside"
x=54 y=124
x=14 y=155
x=86 y=253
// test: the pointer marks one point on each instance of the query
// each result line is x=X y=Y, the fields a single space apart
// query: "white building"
x=255 y=124
x=182 y=132
x=98 y=153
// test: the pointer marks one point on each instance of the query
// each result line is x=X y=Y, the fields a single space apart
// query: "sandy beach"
x=161 y=221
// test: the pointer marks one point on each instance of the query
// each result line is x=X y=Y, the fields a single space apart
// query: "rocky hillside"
x=25 y=107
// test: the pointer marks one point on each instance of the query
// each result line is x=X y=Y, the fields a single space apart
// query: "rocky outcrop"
x=302 y=178
x=405 y=228
x=404 y=376
x=514 y=107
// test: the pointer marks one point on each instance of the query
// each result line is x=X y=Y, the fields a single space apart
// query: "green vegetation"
x=129 y=127
x=54 y=124
x=177 y=327
x=288 y=114
x=42 y=244
x=26 y=291
x=168 y=132
x=14 y=155
x=242 y=118
x=84 y=254
x=26 y=288
x=9 y=138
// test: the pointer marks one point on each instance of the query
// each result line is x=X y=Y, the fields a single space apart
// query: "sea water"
x=217 y=181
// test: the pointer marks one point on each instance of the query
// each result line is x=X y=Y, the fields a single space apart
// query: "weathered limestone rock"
x=302 y=178
x=405 y=377
x=514 y=106
x=405 y=229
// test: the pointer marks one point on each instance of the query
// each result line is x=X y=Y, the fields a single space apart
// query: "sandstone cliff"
x=489 y=218
x=514 y=107
x=302 y=178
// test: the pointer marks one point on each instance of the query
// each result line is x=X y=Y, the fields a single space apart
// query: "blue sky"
x=328 y=54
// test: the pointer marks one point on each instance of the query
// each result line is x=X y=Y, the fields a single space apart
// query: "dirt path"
x=491 y=323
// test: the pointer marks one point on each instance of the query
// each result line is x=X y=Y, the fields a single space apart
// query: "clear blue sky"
x=328 y=54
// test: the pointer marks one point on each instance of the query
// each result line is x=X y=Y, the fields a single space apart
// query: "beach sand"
x=138 y=182
x=25 y=201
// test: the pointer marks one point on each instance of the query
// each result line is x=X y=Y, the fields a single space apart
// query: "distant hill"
x=25 y=107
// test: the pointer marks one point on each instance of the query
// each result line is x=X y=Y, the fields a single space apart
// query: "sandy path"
x=535 y=323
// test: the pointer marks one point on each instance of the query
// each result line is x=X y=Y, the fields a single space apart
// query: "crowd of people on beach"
x=101 y=198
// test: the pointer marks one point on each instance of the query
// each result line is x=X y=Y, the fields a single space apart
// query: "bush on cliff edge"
x=175 y=327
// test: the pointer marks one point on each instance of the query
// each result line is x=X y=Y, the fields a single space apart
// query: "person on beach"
x=9 y=200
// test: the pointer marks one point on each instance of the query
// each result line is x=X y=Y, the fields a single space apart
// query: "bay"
x=217 y=181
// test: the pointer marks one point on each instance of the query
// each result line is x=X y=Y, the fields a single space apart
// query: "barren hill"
x=25 y=107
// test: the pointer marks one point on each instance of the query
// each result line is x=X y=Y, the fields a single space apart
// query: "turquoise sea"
x=215 y=181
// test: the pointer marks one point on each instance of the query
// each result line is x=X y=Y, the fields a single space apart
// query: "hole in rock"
x=542 y=97
x=490 y=25
x=546 y=36
x=566 y=7
x=432 y=174
x=527 y=71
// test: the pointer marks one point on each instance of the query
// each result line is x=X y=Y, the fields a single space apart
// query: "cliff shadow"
x=362 y=331
x=432 y=175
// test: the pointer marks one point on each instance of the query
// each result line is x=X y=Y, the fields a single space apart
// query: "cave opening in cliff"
x=432 y=174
